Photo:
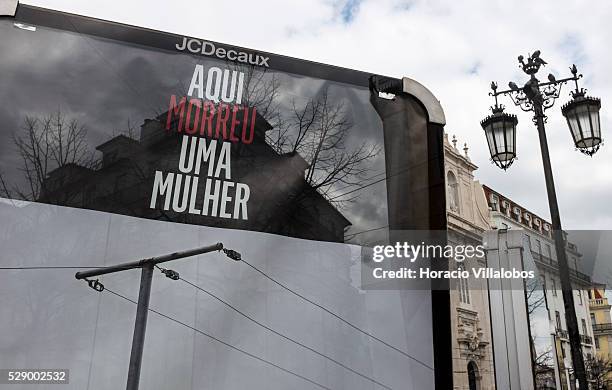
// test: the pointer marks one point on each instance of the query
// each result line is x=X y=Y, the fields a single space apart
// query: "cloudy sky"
x=455 y=48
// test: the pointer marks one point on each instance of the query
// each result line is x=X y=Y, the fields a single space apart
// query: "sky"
x=454 y=48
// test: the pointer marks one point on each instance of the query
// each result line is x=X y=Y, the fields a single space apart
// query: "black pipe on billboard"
x=413 y=123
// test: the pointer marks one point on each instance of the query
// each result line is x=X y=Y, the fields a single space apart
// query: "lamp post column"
x=566 y=287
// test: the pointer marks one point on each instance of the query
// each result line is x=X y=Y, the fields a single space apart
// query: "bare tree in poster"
x=261 y=90
x=43 y=145
x=318 y=132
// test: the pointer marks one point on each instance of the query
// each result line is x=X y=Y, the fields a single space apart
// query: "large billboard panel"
x=119 y=143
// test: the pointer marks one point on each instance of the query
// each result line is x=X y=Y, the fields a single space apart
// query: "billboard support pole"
x=144 y=295
x=140 y=327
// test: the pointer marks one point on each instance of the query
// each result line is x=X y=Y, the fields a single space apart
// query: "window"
x=464 y=290
x=584 y=327
x=494 y=202
x=593 y=322
x=473 y=376
x=453 y=191
x=120 y=182
x=579 y=297
x=563 y=351
x=539 y=247
x=528 y=238
x=554 y=287
x=558 y=320
x=548 y=251
x=89 y=195
x=597 y=342
x=575 y=263
x=516 y=214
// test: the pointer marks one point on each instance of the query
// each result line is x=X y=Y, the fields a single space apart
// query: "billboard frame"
x=410 y=91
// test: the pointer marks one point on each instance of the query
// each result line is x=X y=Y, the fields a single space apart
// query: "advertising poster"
x=119 y=144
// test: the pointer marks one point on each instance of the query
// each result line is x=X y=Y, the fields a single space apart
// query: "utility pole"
x=144 y=294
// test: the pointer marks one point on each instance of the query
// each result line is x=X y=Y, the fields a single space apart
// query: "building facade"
x=599 y=308
x=507 y=214
x=601 y=322
x=468 y=218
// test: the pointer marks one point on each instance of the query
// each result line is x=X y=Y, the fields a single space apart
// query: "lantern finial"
x=533 y=64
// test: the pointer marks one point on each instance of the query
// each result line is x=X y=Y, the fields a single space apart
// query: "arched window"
x=473 y=377
x=453 y=191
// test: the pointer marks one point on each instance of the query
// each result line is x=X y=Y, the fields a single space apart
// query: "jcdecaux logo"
x=206 y=48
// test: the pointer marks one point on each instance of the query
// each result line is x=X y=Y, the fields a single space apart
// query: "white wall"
x=49 y=319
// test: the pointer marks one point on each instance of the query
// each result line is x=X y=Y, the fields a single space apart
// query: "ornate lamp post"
x=582 y=114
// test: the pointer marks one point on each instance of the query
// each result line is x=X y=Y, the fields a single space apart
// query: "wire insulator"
x=96 y=285
x=171 y=274
x=232 y=254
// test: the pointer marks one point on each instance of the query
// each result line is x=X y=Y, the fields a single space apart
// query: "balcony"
x=548 y=263
x=544 y=259
x=584 y=339
x=598 y=302
x=580 y=276
x=601 y=328
x=562 y=334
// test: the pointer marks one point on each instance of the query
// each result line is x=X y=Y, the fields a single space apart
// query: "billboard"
x=120 y=143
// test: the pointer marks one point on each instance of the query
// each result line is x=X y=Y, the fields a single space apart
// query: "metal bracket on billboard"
x=424 y=95
x=385 y=85
x=8 y=7
x=390 y=86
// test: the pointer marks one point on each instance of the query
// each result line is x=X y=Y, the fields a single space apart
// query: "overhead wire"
x=301 y=296
x=404 y=353
x=283 y=335
x=40 y=267
x=223 y=342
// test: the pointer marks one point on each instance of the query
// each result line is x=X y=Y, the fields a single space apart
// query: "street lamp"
x=582 y=114
x=500 y=130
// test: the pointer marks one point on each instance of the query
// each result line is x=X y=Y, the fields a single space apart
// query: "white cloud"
x=454 y=47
